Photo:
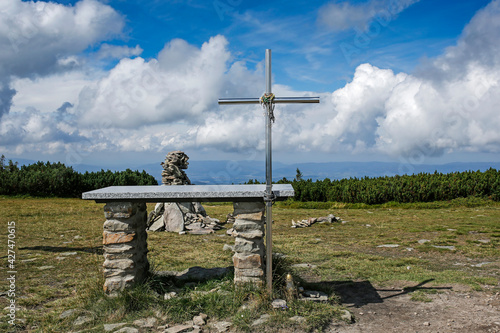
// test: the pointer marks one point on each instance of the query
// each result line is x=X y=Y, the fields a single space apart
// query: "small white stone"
x=128 y=330
x=112 y=327
x=279 y=304
x=67 y=313
x=82 y=320
x=298 y=319
x=68 y=253
x=43 y=268
x=346 y=315
x=170 y=295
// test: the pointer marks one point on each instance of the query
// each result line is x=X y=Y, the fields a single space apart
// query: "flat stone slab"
x=188 y=193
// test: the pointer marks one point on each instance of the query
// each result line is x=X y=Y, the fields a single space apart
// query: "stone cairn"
x=183 y=217
x=173 y=169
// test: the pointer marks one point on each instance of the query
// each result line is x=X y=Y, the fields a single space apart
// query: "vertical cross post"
x=269 y=179
x=269 y=100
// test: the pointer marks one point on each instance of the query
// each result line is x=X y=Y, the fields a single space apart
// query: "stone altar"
x=125 y=237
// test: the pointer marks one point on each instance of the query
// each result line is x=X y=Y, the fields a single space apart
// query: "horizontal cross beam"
x=276 y=100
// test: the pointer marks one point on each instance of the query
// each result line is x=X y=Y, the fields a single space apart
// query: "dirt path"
x=393 y=310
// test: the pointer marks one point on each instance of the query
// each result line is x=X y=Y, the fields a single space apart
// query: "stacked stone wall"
x=125 y=245
x=249 y=257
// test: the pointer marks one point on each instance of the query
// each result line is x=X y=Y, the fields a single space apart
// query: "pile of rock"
x=184 y=217
x=173 y=169
x=310 y=221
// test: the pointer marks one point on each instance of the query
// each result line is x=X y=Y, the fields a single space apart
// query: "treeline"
x=422 y=187
x=57 y=180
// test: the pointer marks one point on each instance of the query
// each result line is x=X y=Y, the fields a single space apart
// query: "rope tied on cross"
x=268 y=100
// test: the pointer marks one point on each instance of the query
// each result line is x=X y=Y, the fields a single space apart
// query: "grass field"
x=58 y=259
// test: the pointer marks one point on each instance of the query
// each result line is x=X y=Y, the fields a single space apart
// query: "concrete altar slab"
x=188 y=193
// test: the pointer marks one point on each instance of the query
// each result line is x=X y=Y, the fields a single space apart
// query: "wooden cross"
x=268 y=100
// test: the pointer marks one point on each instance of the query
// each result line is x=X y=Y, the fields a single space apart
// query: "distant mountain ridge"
x=236 y=172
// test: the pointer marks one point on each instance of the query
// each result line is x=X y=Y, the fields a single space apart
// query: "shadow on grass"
x=162 y=281
x=59 y=249
x=359 y=293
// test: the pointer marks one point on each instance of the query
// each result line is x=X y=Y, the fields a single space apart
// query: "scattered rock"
x=346 y=315
x=67 y=313
x=310 y=221
x=228 y=247
x=82 y=320
x=127 y=330
x=43 y=268
x=298 y=319
x=222 y=326
x=170 y=295
x=200 y=320
x=179 y=329
x=230 y=218
x=423 y=241
x=484 y=241
x=279 y=304
x=427 y=323
x=146 y=323
x=112 y=327
x=315 y=296
x=451 y=247
x=389 y=245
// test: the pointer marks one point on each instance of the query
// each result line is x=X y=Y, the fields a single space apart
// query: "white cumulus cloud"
x=450 y=104
x=40 y=38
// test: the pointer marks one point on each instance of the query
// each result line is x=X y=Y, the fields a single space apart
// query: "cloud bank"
x=450 y=104
x=42 y=38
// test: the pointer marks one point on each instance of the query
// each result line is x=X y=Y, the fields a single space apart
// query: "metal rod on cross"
x=269 y=100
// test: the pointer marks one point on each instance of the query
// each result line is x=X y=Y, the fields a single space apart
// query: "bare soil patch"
x=393 y=310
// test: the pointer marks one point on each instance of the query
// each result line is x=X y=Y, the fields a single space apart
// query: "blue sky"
x=119 y=83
